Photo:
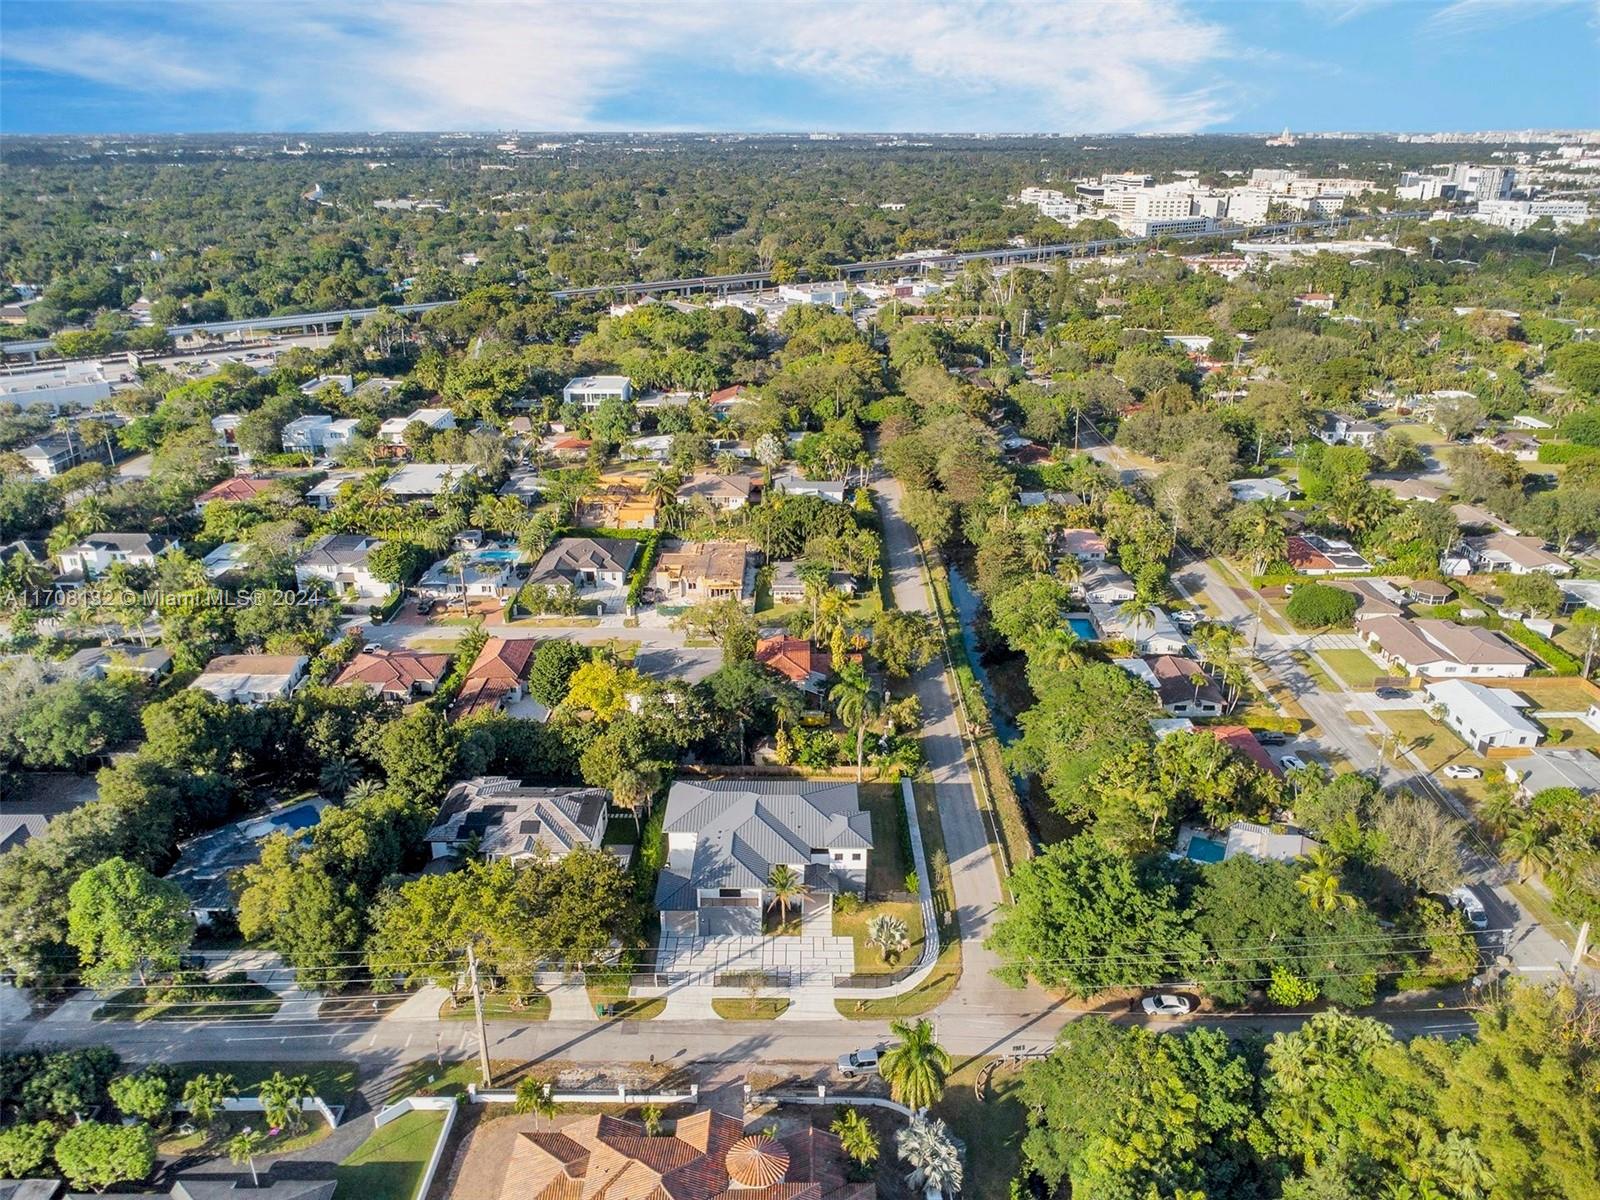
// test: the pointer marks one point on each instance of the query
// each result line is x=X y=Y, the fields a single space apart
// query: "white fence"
x=253 y=1104
x=444 y=1104
x=821 y=1096
x=622 y=1095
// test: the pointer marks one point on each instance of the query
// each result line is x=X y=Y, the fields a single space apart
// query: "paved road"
x=972 y=865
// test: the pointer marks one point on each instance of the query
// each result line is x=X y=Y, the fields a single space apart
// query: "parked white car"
x=1465 y=899
x=1461 y=771
x=1291 y=762
x=1167 y=1006
x=859 y=1062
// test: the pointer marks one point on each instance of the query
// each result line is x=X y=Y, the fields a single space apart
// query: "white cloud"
x=1474 y=16
x=557 y=64
x=140 y=62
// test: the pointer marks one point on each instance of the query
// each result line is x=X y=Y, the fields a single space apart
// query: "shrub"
x=25 y=1148
x=1319 y=606
x=1559 y=660
x=1556 y=453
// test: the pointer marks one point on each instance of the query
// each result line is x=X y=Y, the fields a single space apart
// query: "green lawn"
x=1357 y=668
x=499 y=1007
x=928 y=994
x=613 y=990
x=869 y=960
x=1314 y=669
x=332 y=1079
x=1437 y=745
x=891 y=842
x=152 y=1004
x=390 y=1163
x=1575 y=735
x=759 y=1008
x=992 y=1128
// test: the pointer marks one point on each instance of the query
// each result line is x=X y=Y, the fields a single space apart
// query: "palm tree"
x=1499 y=810
x=855 y=1135
x=632 y=787
x=339 y=775
x=1068 y=569
x=727 y=462
x=662 y=486
x=457 y=564
x=889 y=934
x=786 y=886
x=917 y=1067
x=283 y=1099
x=243 y=1147
x=1528 y=846
x=1321 y=885
x=535 y=1096
x=855 y=704
x=364 y=789
x=933 y=1155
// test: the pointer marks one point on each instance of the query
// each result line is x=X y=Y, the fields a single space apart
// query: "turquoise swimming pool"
x=1207 y=850
x=1082 y=628
x=498 y=555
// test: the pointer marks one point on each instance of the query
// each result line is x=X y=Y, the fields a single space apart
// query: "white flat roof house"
x=317 y=433
x=591 y=391
x=791 y=484
x=252 y=679
x=1484 y=716
x=345 y=383
x=1246 y=490
x=1151 y=632
x=393 y=431
x=425 y=481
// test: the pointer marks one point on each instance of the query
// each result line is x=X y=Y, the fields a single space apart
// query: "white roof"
x=598 y=383
x=1484 y=709
x=427 y=479
x=1259 y=489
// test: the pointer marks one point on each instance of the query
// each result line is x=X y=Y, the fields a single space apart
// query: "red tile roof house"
x=1240 y=739
x=496 y=677
x=240 y=489
x=797 y=660
x=395 y=674
x=708 y=1156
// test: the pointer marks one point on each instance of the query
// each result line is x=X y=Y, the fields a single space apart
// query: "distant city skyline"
x=70 y=66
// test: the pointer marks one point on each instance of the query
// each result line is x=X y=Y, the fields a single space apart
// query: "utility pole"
x=477 y=1006
x=1581 y=948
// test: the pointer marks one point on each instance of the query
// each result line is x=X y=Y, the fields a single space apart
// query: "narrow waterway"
x=967 y=605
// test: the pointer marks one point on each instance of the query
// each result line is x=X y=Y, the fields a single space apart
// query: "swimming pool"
x=498 y=555
x=301 y=816
x=1207 y=850
x=1082 y=628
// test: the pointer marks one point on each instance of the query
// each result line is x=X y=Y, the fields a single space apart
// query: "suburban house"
x=788 y=588
x=1181 y=687
x=395 y=674
x=566 y=447
x=318 y=434
x=393 y=431
x=798 y=660
x=1313 y=555
x=525 y=483
x=725 y=493
x=1242 y=740
x=340 y=561
x=693 y=572
x=1514 y=555
x=479 y=578
x=1247 y=490
x=1436 y=649
x=655 y=447
x=725 y=836
x=1243 y=837
x=601 y=564
x=1545 y=769
x=226 y=427
x=428 y=481
x=591 y=391
x=1337 y=428
x=495 y=678
x=252 y=679
x=207 y=863
x=344 y=383
x=791 y=484
x=1104 y=583
x=99 y=552
x=495 y=817
x=619 y=500
x=1085 y=545
x=1374 y=597
x=56 y=453
x=1151 y=631
x=152 y=662
x=708 y=1156
x=226 y=558
x=1484 y=716
x=241 y=489
x=325 y=493
x=1521 y=446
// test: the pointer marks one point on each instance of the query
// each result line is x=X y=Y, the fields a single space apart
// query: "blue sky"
x=85 y=66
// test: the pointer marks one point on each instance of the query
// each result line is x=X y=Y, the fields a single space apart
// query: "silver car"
x=1167 y=1005
x=859 y=1062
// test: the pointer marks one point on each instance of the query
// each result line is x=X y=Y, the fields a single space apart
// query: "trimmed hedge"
x=1560 y=661
x=647 y=562
x=391 y=605
x=1556 y=453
